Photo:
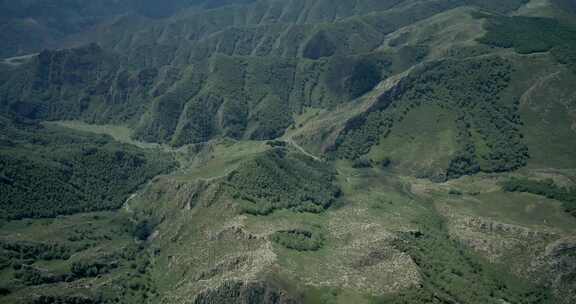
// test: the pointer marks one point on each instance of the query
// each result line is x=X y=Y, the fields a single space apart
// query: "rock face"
x=559 y=263
x=245 y=293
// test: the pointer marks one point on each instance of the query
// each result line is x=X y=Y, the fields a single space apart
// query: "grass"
x=351 y=232
x=549 y=118
x=522 y=209
x=421 y=143
x=119 y=133
x=220 y=158
x=452 y=29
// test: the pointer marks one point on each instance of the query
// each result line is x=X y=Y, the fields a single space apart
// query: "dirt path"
x=18 y=60
x=299 y=148
x=127 y=202
x=526 y=98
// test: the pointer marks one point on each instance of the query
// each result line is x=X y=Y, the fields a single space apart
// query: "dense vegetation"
x=298 y=239
x=48 y=171
x=65 y=300
x=546 y=188
x=93 y=268
x=531 y=35
x=488 y=126
x=36 y=251
x=281 y=180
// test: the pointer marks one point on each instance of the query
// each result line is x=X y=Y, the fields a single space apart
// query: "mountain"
x=30 y=25
x=297 y=151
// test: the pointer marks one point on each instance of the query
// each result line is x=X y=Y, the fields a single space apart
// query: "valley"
x=290 y=152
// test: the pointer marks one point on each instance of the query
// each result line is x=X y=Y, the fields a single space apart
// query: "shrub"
x=385 y=163
x=298 y=239
x=362 y=163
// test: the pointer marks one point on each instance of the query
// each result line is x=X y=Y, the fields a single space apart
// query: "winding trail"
x=299 y=148
x=526 y=98
x=127 y=202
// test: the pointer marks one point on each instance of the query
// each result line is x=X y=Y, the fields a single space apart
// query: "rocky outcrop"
x=558 y=263
x=245 y=293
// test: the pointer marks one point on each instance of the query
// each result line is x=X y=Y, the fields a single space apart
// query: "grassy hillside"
x=486 y=125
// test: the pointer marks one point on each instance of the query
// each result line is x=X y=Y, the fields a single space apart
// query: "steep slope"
x=174 y=65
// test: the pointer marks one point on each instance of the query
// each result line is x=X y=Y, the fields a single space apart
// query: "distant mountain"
x=30 y=26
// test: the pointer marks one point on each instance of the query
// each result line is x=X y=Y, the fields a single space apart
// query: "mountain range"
x=295 y=151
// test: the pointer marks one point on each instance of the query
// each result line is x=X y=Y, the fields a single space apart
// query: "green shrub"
x=143 y=230
x=362 y=163
x=298 y=239
x=455 y=192
x=385 y=163
x=34 y=250
x=88 y=269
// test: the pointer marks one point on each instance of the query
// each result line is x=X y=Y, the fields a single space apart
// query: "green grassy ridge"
x=49 y=171
x=557 y=137
x=458 y=86
x=537 y=37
